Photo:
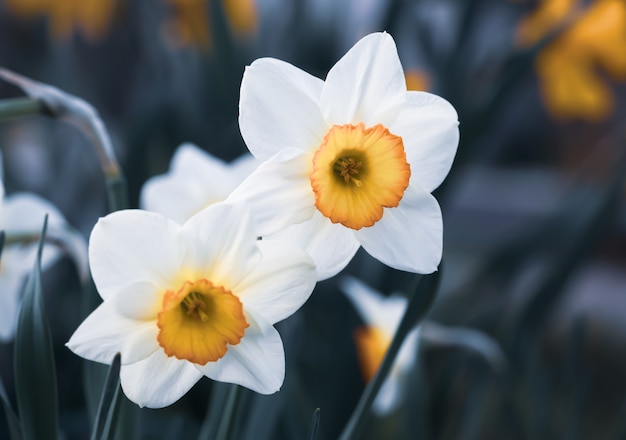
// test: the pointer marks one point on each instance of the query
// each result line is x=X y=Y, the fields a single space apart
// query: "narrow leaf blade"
x=315 y=425
x=35 y=374
x=107 y=401
x=15 y=429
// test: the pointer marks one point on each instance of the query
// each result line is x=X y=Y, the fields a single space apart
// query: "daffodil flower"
x=191 y=300
x=21 y=218
x=381 y=316
x=194 y=181
x=350 y=161
x=574 y=67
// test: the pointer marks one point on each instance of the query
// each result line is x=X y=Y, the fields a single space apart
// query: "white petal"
x=193 y=160
x=195 y=180
x=105 y=332
x=11 y=284
x=375 y=309
x=409 y=237
x=331 y=245
x=279 y=108
x=141 y=300
x=133 y=246
x=393 y=391
x=429 y=128
x=16 y=263
x=280 y=283
x=388 y=398
x=366 y=85
x=158 y=380
x=279 y=191
x=221 y=244
x=243 y=166
x=408 y=351
x=257 y=362
x=25 y=212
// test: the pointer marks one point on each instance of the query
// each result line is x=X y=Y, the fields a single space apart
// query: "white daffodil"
x=183 y=301
x=21 y=218
x=381 y=316
x=194 y=181
x=350 y=161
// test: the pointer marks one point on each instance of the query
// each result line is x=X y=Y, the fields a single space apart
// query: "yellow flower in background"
x=381 y=316
x=90 y=17
x=187 y=21
x=417 y=79
x=571 y=68
x=191 y=300
x=189 y=24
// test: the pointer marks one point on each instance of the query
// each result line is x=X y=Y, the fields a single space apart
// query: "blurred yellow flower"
x=417 y=79
x=381 y=316
x=91 y=17
x=189 y=24
x=571 y=67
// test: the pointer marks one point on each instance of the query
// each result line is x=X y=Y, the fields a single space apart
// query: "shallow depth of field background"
x=534 y=212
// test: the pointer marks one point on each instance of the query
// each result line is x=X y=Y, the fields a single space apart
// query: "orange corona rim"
x=199 y=321
x=357 y=172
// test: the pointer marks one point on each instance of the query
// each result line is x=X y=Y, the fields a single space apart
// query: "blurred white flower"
x=350 y=161
x=183 y=301
x=21 y=218
x=194 y=181
x=381 y=316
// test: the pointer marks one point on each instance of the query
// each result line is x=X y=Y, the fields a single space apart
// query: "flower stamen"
x=195 y=307
x=347 y=168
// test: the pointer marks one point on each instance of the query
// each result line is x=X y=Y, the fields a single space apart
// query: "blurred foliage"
x=534 y=218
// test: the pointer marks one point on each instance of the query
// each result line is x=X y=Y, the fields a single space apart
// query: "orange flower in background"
x=417 y=79
x=189 y=24
x=571 y=67
x=91 y=17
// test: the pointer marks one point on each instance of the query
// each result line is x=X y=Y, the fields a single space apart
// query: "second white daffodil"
x=350 y=161
x=183 y=301
x=194 y=181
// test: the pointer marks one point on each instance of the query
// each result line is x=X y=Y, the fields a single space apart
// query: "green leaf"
x=94 y=373
x=315 y=424
x=14 y=424
x=227 y=423
x=107 y=411
x=35 y=374
x=215 y=409
x=420 y=302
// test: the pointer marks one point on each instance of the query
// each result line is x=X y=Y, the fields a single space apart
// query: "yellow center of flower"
x=358 y=171
x=371 y=344
x=198 y=321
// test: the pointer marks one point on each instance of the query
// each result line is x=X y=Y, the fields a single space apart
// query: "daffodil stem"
x=224 y=431
x=117 y=193
x=47 y=100
x=13 y=107
x=423 y=295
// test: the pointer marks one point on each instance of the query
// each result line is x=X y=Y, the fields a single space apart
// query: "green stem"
x=224 y=432
x=419 y=304
x=13 y=107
